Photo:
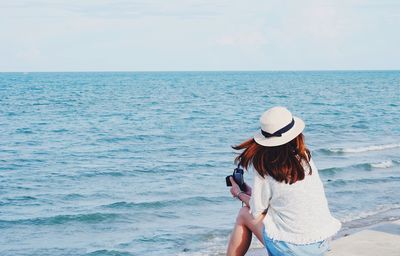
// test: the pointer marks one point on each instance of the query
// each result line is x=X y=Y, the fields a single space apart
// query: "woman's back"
x=297 y=213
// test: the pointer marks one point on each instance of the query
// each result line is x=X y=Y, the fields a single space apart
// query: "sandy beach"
x=381 y=239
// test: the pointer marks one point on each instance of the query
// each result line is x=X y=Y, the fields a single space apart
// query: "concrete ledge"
x=383 y=239
x=380 y=240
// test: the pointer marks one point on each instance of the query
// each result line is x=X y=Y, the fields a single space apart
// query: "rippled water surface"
x=134 y=163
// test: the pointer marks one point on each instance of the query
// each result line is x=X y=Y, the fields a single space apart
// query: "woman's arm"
x=245 y=198
x=261 y=195
x=241 y=195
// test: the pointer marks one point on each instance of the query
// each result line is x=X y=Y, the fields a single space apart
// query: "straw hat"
x=278 y=127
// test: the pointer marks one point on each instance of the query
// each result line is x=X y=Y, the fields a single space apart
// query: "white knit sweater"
x=297 y=213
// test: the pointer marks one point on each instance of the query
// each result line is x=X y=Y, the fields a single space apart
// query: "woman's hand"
x=235 y=189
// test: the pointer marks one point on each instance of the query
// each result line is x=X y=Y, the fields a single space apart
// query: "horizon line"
x=177 y=71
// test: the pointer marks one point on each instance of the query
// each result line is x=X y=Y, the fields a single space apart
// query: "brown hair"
x=283 y=163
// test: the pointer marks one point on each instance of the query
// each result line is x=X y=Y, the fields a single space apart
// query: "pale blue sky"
x=137 y=35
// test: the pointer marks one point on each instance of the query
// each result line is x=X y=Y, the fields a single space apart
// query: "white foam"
x=215 y=246
x=384 y=164
x=366 y=149
x=366 y=214
x=193 y=254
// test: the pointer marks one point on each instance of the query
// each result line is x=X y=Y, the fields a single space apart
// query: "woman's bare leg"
x=245 y=225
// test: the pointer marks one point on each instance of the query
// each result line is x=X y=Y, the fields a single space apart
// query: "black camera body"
x=237 y=177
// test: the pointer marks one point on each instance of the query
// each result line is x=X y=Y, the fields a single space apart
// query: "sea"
x=134 y=163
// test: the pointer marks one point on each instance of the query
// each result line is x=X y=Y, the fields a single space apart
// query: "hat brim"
x=297 y=128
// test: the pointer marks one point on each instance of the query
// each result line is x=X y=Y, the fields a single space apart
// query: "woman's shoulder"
x=258 y=177
x=307 y=164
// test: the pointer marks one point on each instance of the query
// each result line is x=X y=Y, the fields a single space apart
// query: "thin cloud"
x=255 y=38
x=116 y=9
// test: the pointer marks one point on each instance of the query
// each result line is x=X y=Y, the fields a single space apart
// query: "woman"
x=286 y=208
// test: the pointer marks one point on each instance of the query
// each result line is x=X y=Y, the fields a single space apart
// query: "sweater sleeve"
x=260 y=196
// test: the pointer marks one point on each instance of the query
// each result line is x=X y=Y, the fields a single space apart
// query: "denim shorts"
x=280 y=248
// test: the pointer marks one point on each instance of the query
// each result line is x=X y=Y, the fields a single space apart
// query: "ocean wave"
x=24 y=130
x=331 y=170
x=359 y=149
x=72 y=196
x=104 y=173
x=342 y=182
x=190 y=201
x=364 y=166
x=108 y=253
x=384 y=164
x=90 y=218
x=380 y=165
x=20 y=200
x=62 y=130
x=367 y=214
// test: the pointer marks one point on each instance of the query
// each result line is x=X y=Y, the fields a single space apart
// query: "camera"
x=237 y=177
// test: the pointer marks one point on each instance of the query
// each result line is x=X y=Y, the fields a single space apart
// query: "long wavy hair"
x=284 y=163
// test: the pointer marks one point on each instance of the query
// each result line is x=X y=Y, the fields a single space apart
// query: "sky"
x=185 y=35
